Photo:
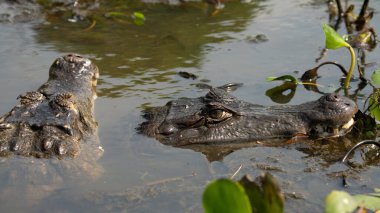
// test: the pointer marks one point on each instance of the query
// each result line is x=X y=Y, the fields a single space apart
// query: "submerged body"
x=220 y=117
x=55 y=124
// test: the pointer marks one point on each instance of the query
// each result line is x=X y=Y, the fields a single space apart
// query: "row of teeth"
x=331 y=131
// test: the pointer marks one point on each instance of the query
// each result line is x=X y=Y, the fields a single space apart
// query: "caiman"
x=220 y=118
x=54 y=119
x=50 y=136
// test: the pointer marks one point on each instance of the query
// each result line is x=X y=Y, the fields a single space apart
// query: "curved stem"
x=352 y=66
x=361 y=143
x=344 y=71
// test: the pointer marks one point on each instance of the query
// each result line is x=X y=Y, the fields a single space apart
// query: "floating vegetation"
x=335 y=41
x=245 y=196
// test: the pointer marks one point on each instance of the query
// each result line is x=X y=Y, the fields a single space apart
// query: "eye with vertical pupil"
x=219 y=114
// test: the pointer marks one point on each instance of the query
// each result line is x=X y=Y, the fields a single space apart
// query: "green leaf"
x=288 y=78
x=369 y=202
x=376 y=77
x=333 y=39
x=374 y=107
x=224 y=196
x=264 y=194
x=138 y=18
x=115 y=14
x=340 y=202
x=377 y=194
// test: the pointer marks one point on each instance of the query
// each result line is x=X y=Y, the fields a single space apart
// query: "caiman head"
x=73 y=74
x=54 y=119
x=220 y=117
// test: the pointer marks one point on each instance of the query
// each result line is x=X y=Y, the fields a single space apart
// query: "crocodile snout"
x=74 y=58
x=167 y=129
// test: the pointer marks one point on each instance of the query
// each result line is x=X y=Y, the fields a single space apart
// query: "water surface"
x=139 y=66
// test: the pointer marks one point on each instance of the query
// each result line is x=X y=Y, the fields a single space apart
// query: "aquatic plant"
x=341 y=201
x=138 y=18
x=245 y=196
x=225 y=195
x=335 y=41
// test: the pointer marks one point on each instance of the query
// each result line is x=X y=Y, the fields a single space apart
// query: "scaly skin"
x=219 y=118
x=53 y=120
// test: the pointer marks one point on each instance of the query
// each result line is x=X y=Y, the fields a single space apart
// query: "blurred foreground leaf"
x=260 y=196
x=264 y=194
x=224 y=195
x=370 y=201
x=340 y=202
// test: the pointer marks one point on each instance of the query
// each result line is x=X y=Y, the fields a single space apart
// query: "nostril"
x=332 y=97
x=73 y=58
x=167 y=129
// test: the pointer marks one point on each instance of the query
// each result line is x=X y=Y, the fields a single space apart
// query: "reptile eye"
x=219 y=114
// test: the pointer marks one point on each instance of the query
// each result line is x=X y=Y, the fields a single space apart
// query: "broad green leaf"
x=264 y=194
x=340 y=202
x=369 y=202
x=283 y=78
x=225 y=196
x=374 y=107
x=138 y=18
x=376 y=77
x=333 y=39
x=283 y=93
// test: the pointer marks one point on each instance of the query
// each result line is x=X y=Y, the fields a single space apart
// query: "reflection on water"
x=135 y=59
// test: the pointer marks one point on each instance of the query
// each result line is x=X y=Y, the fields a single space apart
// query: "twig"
x=91 y=26
x=361 y=19
x=237 y=171
x=364 y=9
x=340 y=9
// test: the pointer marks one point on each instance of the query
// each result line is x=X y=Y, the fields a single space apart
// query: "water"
x=138 y=66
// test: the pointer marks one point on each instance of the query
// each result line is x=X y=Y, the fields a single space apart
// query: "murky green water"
x=139 y=65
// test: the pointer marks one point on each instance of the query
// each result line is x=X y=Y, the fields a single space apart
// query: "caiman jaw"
x=349 y=124
x=328 y=131
x=343 y=129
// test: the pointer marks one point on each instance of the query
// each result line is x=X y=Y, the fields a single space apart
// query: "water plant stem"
x=361 y=143
x=352 y=66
